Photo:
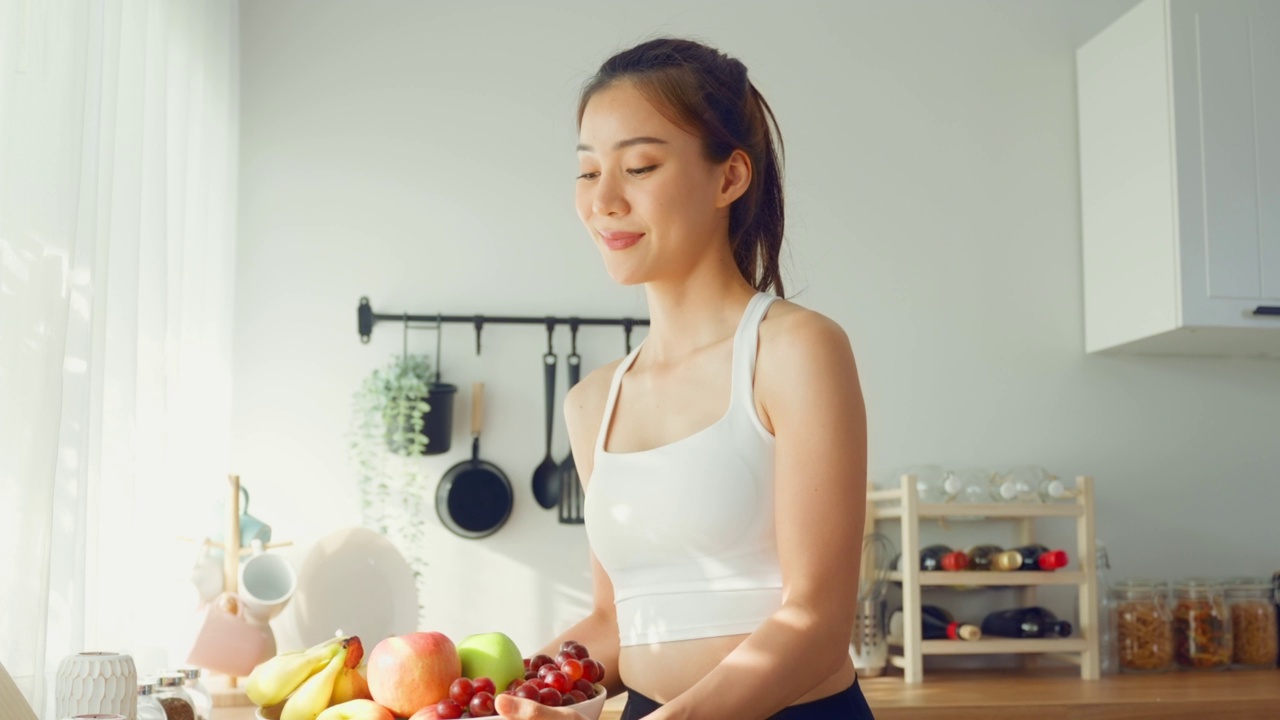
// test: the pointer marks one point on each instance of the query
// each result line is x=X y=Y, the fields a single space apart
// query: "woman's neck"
x=694 y=311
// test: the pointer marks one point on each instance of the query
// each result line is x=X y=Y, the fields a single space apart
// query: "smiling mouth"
x=620 y=241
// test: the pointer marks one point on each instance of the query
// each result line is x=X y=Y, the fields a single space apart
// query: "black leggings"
x=848 y=704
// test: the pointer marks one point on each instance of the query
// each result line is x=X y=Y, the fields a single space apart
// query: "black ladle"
x=546 y=479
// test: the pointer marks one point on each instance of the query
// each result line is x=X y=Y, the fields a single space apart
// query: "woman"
x=725 y=543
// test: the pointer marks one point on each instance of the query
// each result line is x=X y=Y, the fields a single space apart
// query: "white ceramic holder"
x=96 y=683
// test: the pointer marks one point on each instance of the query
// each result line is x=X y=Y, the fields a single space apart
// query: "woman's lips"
x=620 y=240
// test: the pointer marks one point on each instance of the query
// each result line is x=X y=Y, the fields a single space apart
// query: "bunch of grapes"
x=567 y=679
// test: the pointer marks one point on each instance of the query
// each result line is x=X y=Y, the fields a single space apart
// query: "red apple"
x=410 y=672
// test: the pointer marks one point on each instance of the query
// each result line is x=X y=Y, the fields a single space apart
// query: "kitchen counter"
x=1059 y=694
x=1044 y=694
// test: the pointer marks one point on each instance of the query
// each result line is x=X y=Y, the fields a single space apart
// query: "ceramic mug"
x=225 y=641
x=206 y=575
x=267 y=581
x=251 y=528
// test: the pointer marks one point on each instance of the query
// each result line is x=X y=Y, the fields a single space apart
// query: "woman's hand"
x=510 y=706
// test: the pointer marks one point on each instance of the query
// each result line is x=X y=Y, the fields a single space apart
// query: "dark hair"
x=707 y=93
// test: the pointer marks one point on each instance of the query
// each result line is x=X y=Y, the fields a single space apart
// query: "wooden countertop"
x=1059 y=694
x=1045 y=694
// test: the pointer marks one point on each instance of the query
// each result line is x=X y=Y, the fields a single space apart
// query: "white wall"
x=421 y=154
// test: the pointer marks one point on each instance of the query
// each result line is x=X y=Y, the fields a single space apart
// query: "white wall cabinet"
x=1179 y=117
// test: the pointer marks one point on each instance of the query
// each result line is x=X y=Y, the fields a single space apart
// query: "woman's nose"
x=609 y=198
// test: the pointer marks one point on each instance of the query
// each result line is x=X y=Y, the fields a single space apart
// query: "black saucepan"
x=474 y=497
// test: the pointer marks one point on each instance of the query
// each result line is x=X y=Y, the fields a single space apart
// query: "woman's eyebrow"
x=642 y=140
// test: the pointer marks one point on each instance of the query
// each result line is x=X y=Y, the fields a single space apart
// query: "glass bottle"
x=1030 y=557
x=938 y=624
x=1108 y=661
x=175 y=700
x=148 y=707
x=1028 y=622
x=1201 y=625
x=1143 y=626
x=1253 y=623
x=982 y=556
x=938 y=557
x=1020 y=484
x=200 y=696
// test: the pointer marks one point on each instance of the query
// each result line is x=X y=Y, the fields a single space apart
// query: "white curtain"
x=118 y=147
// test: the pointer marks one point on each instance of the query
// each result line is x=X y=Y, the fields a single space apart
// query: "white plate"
x=354 y=581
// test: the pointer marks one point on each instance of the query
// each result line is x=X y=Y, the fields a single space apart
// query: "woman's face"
x=651 y=202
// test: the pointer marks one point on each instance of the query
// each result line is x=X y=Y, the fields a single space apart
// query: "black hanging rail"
x=367 y=318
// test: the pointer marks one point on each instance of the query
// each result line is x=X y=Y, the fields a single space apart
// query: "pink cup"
x=226 y=641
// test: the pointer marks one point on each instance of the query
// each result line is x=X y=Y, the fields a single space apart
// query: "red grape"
x=526 y=663
x=576 y=695
x=549 y=697
x=515 y=683
x=559 y=681
x=572 y=668
x=579 y=651
x=528 y=692
x=448 y=710
x=592 y=670
x=547 y=669
x=568 y=644
x=484 y=684
x=481 y=705
x=461 y=692
x=530 y=674
x=538 y=661
x=584 y=687
x=538 y=683
x=564 y=655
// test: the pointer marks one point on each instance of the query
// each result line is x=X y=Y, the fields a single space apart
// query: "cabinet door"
x=1226 y=90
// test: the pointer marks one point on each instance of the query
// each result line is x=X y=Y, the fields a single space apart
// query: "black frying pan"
x=474 y=497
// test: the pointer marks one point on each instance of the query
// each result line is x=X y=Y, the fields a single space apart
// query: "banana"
x=272 y=681
x=350 y=685
x=312 y=697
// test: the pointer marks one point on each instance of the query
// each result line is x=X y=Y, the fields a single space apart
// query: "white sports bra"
x=686 y=530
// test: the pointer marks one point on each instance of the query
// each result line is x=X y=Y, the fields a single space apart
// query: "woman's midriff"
x=662 y=671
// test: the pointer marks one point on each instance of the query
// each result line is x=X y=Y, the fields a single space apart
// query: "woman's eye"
x=643 y=170
x=632 y=171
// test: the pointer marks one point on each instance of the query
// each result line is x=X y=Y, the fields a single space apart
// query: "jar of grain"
x=177 y=704
x=1143 y=626
x=1253 y=623
x=149 y=708
x=1201 y=625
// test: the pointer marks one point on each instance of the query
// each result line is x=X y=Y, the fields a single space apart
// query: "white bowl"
x=591 y=708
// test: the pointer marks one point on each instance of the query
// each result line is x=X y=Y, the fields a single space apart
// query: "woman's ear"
x=735 y=178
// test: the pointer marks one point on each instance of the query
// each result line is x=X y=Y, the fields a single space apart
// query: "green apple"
x=492 y=655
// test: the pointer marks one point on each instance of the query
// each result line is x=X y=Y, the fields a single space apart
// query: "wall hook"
x=627 y=324
x=479 y=321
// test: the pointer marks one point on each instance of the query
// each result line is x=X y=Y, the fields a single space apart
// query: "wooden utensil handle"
x=477 y=408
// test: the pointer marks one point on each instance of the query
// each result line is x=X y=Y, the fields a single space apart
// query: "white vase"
x=96 y=683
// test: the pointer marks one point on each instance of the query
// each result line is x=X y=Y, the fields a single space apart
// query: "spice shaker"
x=175 y=700
x=1253 y=622
x=200 y=696
x=1201 y=625
x=149 y=707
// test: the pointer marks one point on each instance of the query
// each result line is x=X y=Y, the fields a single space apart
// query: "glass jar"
x=200 y=695
x=1253 y=623
x=1143 y=626
x=149 y=707
x=175 y=700
x=1201 y=625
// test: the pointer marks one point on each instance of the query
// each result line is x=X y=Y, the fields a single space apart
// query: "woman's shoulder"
x=791 y=330
x=585 y=402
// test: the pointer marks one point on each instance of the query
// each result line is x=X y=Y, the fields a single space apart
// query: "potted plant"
x=391 y=429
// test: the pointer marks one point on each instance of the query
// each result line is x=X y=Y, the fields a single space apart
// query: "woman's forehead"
x=619 y=117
